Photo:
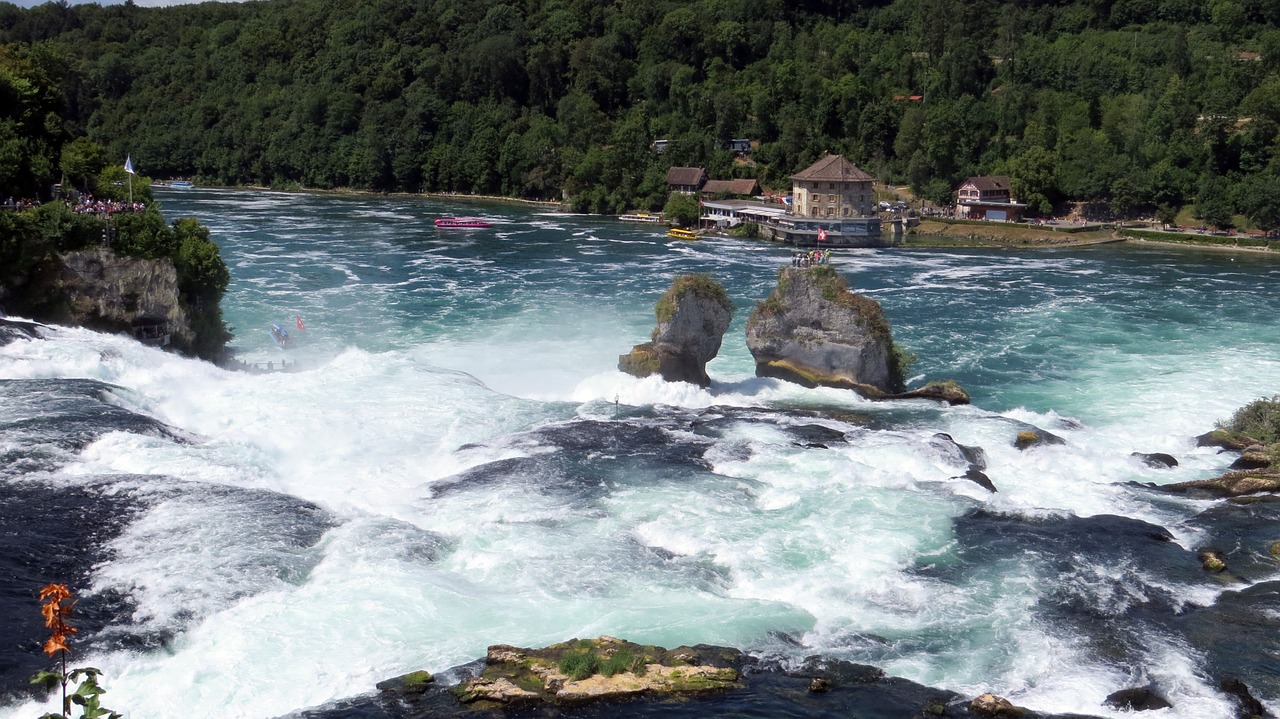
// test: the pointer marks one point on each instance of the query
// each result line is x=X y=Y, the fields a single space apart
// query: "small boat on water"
x=462 y=222
x=679 y=233
x=640 y=217
x=281 y=336
x=181 y=184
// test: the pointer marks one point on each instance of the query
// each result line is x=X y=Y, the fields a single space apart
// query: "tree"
x=1031 y=175
x=1260 y=200
x=83 y=158
x=682 y=208
x=1213 y=203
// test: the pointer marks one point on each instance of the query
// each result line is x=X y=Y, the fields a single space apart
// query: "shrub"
x=579 y=665
x=617 y=663
x=1259 y=420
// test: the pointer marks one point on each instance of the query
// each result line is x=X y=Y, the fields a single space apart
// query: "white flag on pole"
x=128 y=165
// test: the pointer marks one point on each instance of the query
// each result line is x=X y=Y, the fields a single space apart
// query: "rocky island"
x=692 y=318
x=813 y=331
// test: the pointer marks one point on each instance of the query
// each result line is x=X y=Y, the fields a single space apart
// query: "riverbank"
x=354 y=191
x=935 y=233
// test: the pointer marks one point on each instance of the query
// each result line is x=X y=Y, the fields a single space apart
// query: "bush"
x=1259 y=420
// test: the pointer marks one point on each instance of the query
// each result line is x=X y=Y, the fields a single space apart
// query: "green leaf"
x=50 y=680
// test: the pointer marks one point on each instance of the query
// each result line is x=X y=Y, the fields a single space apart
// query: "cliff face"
x=812 y=330
x=692 y=318
x=102 y=291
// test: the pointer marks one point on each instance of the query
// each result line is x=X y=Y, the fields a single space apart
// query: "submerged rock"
x=1137 y=699
x=692 y=318
x=978 y=477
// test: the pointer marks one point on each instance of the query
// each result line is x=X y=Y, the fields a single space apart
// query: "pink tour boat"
x=461 y=222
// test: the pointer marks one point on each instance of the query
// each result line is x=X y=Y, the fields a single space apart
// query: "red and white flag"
x=822 y=234
x=301 y=327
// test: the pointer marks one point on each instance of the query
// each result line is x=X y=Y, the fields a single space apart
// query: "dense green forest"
x=1144 y=105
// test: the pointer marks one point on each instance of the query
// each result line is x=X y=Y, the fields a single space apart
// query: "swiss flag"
x=822 y=234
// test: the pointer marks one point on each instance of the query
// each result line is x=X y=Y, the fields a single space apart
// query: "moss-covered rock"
x=411 y=683
x=948 y=391
x=595 y=669
x=1028 y=438
x=813 y=331
x=692 y=315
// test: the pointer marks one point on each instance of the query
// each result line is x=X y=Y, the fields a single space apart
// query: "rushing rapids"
x=457 y=463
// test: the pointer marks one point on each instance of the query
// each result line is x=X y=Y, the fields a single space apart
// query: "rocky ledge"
x=577 y=677
x=598 y=669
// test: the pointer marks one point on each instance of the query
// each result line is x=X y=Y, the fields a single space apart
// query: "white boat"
x=640 y=217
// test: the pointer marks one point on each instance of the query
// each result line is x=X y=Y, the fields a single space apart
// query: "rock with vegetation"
x=598 y=669
x=948 y=391
x=1035 y=437
x=58 y=270
x=1254 y=431
x=996 y=707
x=692 y=318
x=813 y=331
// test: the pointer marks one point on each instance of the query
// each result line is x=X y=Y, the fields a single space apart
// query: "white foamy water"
x=440 y=475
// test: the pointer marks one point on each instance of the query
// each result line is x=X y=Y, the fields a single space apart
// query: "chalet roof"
x=732 y=187
x=988 y=184
x=685 y=175
x=832 y=168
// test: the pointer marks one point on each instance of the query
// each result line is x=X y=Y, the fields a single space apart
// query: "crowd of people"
x=87 y=205
x=810 y=258
x=23 y=204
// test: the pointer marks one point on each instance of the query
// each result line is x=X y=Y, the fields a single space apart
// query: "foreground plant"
x=56 y=605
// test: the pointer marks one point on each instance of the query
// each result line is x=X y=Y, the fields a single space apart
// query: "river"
x=457 y=463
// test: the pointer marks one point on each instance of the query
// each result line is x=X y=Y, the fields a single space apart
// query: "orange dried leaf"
x=58 y=592
x=56 y=644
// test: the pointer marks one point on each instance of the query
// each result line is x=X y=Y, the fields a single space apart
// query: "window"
x=817 y=198
x=831 y=185
x=846 y=212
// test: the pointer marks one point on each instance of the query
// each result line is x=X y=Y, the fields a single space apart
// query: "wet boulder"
x=1255 y=456
x=1232 y=484
x=996 y=707
x=693 y=316
x=1137 y=699
x=1035 y=437
x=1156 y=460
x=942 y=391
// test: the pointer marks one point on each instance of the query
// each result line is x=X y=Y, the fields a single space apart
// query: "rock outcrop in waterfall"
x=813 y=331
x=692 y=318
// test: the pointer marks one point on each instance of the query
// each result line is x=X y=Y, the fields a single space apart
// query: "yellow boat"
x=677 y=233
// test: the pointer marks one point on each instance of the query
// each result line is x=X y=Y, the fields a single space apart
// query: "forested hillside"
x=1139 y=103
